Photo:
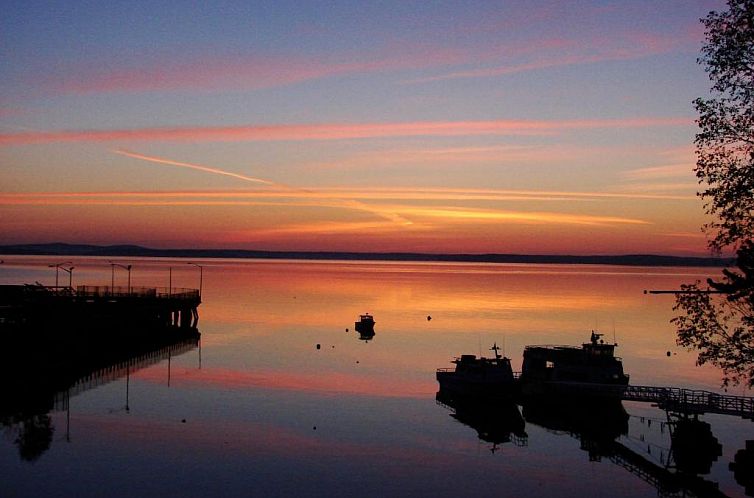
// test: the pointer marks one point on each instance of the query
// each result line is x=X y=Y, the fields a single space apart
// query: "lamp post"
x=57 y=267
x=112 y=274
x=200 y=277
x=70 y=275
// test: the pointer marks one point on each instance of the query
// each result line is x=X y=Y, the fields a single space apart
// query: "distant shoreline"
x=60 y=249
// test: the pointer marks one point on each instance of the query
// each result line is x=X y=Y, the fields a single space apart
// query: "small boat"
x=591 y=371
x=482 y=376
x=365 y=325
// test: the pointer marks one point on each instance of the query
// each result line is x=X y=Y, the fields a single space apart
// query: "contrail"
x=153 y=159
x=351 y=204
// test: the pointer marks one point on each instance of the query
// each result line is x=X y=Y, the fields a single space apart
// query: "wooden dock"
x=22 y=305
x=672 y=399
x=692 y=401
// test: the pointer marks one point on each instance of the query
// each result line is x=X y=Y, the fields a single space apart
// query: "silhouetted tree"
x=721 y=326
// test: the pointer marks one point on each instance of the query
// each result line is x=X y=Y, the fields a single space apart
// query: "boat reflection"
x=496 y=420
x=366 y=335
x=39 y=377
x=596 y=425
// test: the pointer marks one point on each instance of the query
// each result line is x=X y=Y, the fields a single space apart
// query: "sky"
x=440 y=127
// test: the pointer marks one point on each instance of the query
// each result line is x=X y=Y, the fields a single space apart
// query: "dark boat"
x=365 y=325
x=591 y=371
x=482 y=376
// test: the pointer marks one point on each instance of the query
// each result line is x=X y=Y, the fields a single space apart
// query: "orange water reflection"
x=264 y=318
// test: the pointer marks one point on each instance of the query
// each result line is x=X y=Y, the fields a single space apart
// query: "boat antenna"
x=495 y=349
x=614 y=341
x=479 y=339
x=503 y=344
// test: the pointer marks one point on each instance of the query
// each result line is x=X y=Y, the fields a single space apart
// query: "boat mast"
x=495 y=349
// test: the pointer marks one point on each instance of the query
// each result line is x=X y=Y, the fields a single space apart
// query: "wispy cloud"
x=338 y=131
x=341 y=193
x=562 y=52
x=239 y=72
x=396 y=214
x=347 y=203
x=523 y=217
x=683 y=170
x=199 y=167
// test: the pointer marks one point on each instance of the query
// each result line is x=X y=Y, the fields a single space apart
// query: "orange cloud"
x=336 y=131
x=452 y=213
x=387 y=193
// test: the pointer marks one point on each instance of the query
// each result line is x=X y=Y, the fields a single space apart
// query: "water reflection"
x=250 y=410
x=602 y=428
x=743 y=467
x=497 y=421
x=46 y=369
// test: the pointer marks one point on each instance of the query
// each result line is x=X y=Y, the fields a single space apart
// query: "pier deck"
x=35 y=304
x=692 y=401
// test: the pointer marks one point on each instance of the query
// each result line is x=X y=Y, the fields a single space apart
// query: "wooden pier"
x=106 y=306
x=672 y=399
x=691 y=401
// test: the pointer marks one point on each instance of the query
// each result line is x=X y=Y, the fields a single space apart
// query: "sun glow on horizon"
x=454 y=139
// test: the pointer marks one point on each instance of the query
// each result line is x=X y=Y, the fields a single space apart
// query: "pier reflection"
x=602 y=429
x=40 y=372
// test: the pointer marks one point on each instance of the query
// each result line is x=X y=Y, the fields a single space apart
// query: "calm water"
x=258 y=410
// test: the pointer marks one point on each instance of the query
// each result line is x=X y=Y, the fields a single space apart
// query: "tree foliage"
x=720 y=323
x=725 y=141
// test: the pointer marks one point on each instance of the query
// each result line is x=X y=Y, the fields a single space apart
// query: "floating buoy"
x=318 y=346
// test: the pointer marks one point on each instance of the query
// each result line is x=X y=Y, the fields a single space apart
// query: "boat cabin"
x=594 y=362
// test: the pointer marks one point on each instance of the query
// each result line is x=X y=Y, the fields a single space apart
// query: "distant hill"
x=60 y=249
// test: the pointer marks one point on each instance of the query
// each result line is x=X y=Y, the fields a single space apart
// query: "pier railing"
x=691 y=400
x=104 y=291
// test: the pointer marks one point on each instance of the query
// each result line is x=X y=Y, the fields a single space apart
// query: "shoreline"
x=60 y=249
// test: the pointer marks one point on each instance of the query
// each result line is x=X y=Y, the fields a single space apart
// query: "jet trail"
x=350 y=204
x=198 y=167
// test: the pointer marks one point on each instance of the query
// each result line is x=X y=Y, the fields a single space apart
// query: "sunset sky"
x=463 y=127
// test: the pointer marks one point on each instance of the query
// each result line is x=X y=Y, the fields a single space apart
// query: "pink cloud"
x=336 y=131
x=563 y=52
x=243 y=73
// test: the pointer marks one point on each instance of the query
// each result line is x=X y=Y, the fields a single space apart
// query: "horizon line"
x=134 y=250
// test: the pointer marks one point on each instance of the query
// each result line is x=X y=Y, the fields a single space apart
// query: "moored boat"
x=474 y=376
x=365 y=325
x=591 y=370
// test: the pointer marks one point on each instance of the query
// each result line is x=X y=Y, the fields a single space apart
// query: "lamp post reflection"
x=201 y=268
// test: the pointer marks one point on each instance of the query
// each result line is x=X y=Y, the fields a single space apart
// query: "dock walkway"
x=692 y=401
x=24 y=304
